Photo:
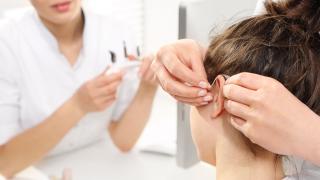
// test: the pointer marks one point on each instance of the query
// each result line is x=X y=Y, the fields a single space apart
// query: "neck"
x=68 y=32
x=236 y=156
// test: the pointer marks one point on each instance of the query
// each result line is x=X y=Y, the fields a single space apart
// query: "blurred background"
x=155 y=23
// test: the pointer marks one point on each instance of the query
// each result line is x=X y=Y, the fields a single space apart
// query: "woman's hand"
x=146 y=73
x=270 y=116
x=98 y=93
x=179 y=69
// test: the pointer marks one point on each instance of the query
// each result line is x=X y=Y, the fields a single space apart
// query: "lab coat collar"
x=87 y=35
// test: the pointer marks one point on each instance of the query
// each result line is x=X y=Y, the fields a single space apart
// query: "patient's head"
x=283 y=44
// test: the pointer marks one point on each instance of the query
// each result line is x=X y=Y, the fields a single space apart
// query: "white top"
x=36 y=79
x=295 y=168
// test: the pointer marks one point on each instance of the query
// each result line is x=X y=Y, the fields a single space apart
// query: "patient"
x=281 y=44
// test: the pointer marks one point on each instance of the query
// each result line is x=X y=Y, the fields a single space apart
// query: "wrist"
x=148 y=86
x=76 y=105
x=308 y=145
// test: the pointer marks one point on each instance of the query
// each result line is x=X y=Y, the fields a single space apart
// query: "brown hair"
x=283 y=44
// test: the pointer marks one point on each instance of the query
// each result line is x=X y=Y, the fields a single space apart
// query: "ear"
x=217 y=95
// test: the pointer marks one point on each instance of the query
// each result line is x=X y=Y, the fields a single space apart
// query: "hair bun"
x=306 y=11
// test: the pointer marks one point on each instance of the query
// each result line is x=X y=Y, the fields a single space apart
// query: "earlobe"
x=218 y=98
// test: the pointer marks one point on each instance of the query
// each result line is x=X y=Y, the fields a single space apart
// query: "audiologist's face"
x=57 y=11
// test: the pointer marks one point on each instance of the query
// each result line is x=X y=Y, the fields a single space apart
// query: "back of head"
x=283 y=44
x=305 y=11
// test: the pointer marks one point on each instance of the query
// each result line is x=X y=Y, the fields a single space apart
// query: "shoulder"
x=11 y=32
x=7 y=29
x=8 y=35
x=10 y=25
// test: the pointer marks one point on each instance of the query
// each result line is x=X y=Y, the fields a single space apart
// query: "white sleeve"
x=289 y=178
x=130 y=83
x=125 y=95
x=9 y=94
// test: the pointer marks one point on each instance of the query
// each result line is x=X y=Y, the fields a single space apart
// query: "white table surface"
x=103 y=161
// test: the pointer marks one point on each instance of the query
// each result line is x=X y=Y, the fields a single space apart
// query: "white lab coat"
x=294 y=168
x=36 y=79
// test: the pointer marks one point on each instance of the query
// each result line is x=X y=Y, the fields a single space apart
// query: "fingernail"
x=202 y=93
x=204 y=85
x=208 y=98
x=237 y=121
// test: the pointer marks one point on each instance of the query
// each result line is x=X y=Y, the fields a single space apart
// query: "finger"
x=188 y=102
x=107 y=79
x=183 y=72
x=109 y=89
x=248 y=80
x=177 y=88
x=239 y=94
x=106 y=99
x=197 y=62
x=238 y=109
x=197 y=100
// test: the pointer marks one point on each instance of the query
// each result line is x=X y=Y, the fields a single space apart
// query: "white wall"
x=8 y=4
x=161 y=22
x=161 y=18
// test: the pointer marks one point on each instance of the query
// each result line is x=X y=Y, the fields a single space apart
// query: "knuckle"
x=252 y=114
x=258 y=98
x=228 y=105
x=172 y=66
x=161 y=52
x=272 y=84
x=241 y=77
x=232 y=108
x=230 y=90
x=167 y=86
